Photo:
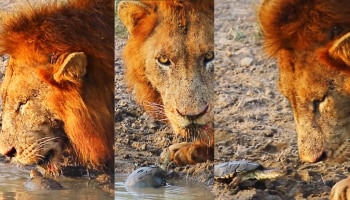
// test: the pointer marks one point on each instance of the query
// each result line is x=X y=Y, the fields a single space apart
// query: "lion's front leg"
x=187 y=153
x=341 y=190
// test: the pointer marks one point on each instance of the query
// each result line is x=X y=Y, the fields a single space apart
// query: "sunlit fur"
x=184 y=88
x=310 y=38
x=298 y=24
x=135 y=74
x=85 y=107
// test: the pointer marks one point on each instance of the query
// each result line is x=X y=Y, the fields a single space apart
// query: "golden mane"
x=135 y=76
x=39 y=37
x=298 y=24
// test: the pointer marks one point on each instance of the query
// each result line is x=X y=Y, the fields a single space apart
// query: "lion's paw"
x=341 y=190
x=186 y=153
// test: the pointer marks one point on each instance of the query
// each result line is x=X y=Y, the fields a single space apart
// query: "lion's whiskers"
x=156 y=109
x=189 y=134
x=33 y=151
x=196 y=133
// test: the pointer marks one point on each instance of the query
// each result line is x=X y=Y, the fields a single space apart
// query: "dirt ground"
x=253 y=121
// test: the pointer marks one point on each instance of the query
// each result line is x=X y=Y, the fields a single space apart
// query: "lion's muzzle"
x=194 y=115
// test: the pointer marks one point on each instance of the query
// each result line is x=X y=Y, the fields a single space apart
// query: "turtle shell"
x=38 y=182
x=228 y=170
x=151 y=176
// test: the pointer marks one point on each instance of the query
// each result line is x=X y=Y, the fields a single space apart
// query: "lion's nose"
x=194 y=115
x=322 y=155
x=11 y=152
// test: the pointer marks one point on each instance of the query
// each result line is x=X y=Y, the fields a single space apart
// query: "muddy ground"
x=253 y=121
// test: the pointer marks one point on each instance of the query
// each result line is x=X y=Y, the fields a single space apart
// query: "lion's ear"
x=340 y=49
x=136 y=16
x=72 y=69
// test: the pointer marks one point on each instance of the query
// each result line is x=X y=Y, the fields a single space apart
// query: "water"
x=175 y=189
x=13 y=178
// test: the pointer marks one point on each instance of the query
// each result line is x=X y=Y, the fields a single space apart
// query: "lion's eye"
x=317 y=103
x=208 y=57
x=21 y=106
x=163 y=61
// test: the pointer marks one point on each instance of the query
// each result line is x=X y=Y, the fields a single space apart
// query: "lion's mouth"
x=195 y=131
x=47 y=158
x=49 y=163
x=195 y=126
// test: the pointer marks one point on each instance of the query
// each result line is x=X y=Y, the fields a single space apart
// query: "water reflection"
x=175 y=189
x=12 y=180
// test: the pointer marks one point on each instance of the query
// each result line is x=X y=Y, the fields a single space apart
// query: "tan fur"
x=59 y=83
x=311 y=41
x=182 y=32
x=341 y=190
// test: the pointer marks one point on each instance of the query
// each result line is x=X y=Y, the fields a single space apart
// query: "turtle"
x=151 y=176
x=237 y=172
x=37 y=181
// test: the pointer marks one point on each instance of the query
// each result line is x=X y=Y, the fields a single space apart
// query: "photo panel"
x=164 y=99
x=57 y=99
x=281 y=117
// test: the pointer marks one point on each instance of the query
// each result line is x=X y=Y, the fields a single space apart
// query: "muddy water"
x=12 y=180
x=175 y=189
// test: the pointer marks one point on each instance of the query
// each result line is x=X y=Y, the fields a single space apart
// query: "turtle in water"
x=237 y=172
x=151 y=176
x=37 y=181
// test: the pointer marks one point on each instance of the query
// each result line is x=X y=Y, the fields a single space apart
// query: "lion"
x=58 y=89
x=311 y=39
x=169 y=67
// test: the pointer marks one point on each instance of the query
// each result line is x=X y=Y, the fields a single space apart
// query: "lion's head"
x=168 y=60
x=311 y=40
x=58 y=87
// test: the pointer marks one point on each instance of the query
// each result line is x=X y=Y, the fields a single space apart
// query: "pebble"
x=246 y=61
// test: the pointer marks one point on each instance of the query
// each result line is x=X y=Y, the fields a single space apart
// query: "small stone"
x=247 y=61
x=271 y=132
x=304 y=175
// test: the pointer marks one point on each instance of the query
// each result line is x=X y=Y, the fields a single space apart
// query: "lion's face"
x=312 y=42
x=181 y=70
x=172 y=71
x=319 y=96
x=31 y=132
x=33 y=127
x=58 y=87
